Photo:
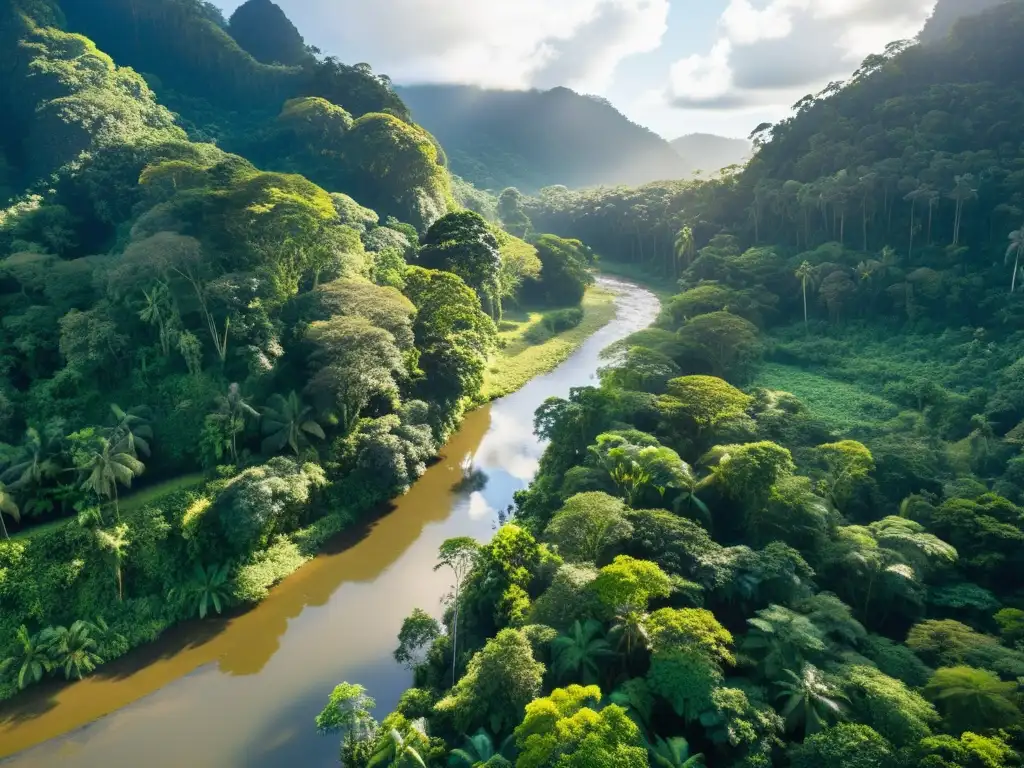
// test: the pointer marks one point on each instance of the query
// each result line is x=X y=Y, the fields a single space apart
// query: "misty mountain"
x=532 y=139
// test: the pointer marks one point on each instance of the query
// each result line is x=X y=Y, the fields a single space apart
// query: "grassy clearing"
x=844 y=407
x=130 y=503
x=148 y=495
x=519 y=361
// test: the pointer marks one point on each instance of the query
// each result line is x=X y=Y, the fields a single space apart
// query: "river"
x=244 y=691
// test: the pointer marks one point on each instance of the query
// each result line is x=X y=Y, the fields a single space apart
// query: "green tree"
x=579 y=654
x=462 y=243
x=459 y=555
x=724 y=343
x=694 y=630
x=501 y=680
x=808 y=700
x=898 y=713
x=104 y=465
x=748 y=472
x=72 y=649
x=627 y=581
x=397 y=750
x=114 y=543
x=232 y=409
x=419 y=630
x=7 y=507
x=208 y=585
x=846 y=745
x=849 y=464
x=132 y=428
x=972 y=699
x=286 y=421
x=566 y=729
x=780 y=639
x=511 y=213
x=702 y=402
x=347 y=712
x=684 y=250
x=31 y=658
x=587 y=524
x=38 y=458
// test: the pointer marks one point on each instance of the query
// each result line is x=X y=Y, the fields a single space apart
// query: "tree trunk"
x=455 y=630
x=1013 y=281
x=910 y=257
x=4 y=526
x=805 y=305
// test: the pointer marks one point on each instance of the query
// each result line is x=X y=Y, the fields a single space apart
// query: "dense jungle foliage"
x=786 y=528
x=262 y=357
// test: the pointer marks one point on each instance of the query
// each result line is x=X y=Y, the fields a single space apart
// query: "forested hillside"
x=273 y=343
x=785 y=528
x=947 y=13
x=531 y=139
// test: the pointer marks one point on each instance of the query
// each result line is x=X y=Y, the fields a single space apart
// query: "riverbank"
x=519 y=361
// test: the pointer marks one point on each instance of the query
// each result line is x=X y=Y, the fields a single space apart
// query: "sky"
x=675 y=66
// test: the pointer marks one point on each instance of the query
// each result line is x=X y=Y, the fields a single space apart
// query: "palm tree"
x=232 y=409
x=1016 y=248
x=636 y=698
x=132 y=428
x=104 y=465
x=36 y=462
x=158 y=310
x=32 y=658
x=804 y=273
x=209 y=585
x=629 y=626
x=7 y=507
x=576 y=655
x=286 y=421
x=673 y=753
x=73 y=649
x=397 y=750
x=810 y=700
x=104 y=636
x=479 y=748
x=684 y=247
x=115 y=542
x=962 y=192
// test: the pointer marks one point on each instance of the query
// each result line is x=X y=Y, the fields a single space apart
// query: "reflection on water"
x=244 y=691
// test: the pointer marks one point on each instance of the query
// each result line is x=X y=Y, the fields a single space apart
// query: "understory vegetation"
x=229 y=331
x=786 y=528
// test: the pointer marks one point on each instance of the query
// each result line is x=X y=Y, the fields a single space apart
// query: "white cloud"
x=495 y=43
x=771 y=52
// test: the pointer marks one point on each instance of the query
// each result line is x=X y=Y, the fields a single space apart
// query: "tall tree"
x=105 y=465
x=459 y=555
x=804 y=273
x=1016 y=248
x=115 y=543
